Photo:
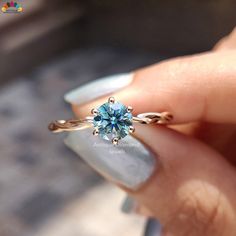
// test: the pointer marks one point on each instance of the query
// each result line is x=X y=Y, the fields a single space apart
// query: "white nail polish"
x=130 y=163
x=98 y=88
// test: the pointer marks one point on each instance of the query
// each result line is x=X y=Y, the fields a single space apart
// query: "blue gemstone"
x=113 y=120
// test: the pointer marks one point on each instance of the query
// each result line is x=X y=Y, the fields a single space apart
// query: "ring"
x=111 y=121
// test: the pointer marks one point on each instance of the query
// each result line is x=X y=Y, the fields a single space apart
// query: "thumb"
x=186 y=185
x=192 y=190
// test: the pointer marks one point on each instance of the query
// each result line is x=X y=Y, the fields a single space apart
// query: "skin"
x=193 y=190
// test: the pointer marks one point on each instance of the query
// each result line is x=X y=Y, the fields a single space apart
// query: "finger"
x=186 y=185
x=192 y=88
x=124 y=171
x=221 y=137
x=189 y=191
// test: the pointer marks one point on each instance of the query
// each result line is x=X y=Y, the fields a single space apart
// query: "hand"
x=191 y=188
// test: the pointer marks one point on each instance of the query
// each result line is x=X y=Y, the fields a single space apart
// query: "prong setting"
x=131 y=129
x=61 y=121
x=129 y=108
x=115 y=141
x=111 y=100
x=94 y=112
x=96 y=132
x=111 y=121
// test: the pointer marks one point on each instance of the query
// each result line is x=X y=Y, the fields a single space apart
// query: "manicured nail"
x=98 y=88
x=129 y=205
x=129 y=164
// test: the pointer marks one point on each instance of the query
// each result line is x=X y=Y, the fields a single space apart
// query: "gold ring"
x=111 y=121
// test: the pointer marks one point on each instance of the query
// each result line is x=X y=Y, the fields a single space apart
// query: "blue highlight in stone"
x=113 y=120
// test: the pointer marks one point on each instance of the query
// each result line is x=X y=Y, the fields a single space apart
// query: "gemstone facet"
x=113 y=120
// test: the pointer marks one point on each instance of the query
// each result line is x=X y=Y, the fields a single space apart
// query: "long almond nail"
x=129 y=164
x=98 y=88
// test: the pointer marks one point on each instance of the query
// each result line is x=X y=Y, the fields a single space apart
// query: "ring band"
x=112 y=120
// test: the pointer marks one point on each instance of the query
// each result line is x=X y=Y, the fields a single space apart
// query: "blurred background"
x=52 y=47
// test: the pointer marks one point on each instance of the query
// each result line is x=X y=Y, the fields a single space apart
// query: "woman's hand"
x=191 y=186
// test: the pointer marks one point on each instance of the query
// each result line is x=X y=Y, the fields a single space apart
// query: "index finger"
x=192 y=88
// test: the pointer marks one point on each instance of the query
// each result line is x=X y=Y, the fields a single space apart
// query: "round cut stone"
x=113 y=120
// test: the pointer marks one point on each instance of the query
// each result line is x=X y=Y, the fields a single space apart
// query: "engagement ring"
x=111 y=121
